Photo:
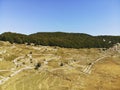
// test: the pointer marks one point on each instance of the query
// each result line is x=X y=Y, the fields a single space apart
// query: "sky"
x=95 y=17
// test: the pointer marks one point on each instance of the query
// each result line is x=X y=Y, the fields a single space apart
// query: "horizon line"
x=56 y=32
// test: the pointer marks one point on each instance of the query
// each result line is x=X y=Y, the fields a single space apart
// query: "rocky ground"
x=27 y=67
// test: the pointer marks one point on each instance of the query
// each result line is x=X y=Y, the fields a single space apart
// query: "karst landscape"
x=29 y=67
x=59 y=44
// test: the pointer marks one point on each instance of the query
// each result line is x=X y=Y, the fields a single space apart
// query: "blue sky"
x=95 y=17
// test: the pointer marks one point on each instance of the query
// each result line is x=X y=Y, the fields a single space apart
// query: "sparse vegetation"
x=37 y=66
x=61 y=64
x=58 y=68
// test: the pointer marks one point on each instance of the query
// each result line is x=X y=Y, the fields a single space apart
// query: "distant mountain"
x=61 y=39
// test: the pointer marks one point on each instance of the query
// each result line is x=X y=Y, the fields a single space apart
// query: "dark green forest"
x=61 y=39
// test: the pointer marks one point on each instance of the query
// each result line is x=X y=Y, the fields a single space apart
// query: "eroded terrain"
x=27 y=67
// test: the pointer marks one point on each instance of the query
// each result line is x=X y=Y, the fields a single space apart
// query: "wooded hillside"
x=67 y=40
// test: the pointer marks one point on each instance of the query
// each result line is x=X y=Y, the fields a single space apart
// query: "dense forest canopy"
x=61 y=39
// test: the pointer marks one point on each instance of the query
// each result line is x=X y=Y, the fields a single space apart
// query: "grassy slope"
x=105 y=74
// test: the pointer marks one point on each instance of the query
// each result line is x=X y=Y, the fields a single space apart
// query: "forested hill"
x=67 y=40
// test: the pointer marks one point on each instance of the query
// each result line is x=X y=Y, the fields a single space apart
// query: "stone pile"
x=115 y=48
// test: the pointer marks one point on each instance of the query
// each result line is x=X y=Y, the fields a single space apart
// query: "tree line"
x=61 y=39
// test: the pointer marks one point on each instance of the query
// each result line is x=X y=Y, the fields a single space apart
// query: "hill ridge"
x=62 y=39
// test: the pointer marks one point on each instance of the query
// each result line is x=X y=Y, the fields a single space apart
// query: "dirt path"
x=87 y=68
x=2 y=81
x=15 y=72
x=16 y=59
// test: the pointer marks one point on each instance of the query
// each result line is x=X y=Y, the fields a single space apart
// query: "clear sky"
x=95 y=17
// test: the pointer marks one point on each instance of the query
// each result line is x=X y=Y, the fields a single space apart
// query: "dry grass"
x=105 y=73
